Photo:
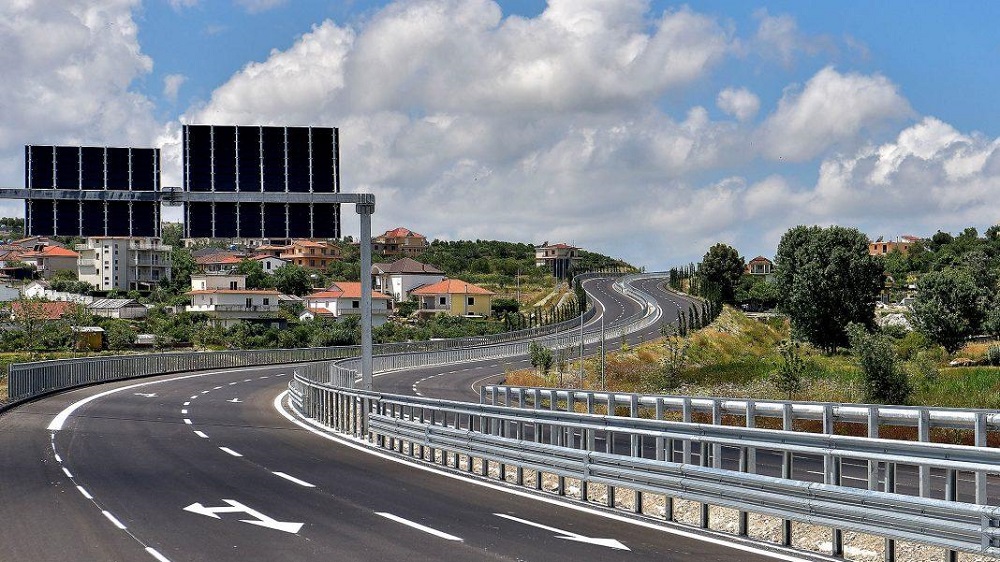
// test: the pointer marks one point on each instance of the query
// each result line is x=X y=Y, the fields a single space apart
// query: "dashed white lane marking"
x=418 y=526
x=201 y=434
x=205 y=391
x=216 y=388
x=85 y=493
x=68 y=473
x=281 y=374
x=152 y=552
x=194 y=397
x=187 y=421
x=114 y=520
x=58 y=458
x=230 y=451
x=184 y=411
x=186 y=404
x=291 y=478
x=265 y=376
x=232 y=383
x=247 y=380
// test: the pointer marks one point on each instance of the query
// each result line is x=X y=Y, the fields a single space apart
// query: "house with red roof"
x=217 y=262
x=47 y=260
x=41 y=310
x=343 y=298
x=455 y=297
x=400 y=242
x=309 y=254
x=402 y=276
x=560 y=259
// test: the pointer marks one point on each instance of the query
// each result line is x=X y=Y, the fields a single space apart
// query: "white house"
x=402 y=276
x=269 y=263
x=227 y=300
x=123 y=263
x=344 y=298
x=41 y=290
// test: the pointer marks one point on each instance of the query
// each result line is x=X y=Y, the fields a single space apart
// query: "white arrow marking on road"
x=146 y=395
x=259 y=518
x=234 y=400
x=610 y=543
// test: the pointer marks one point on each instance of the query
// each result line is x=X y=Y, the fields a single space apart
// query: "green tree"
x=721 y=270
x=827 y=280
x=172 y=234
x=256 y=277
x=119 y=333
x=883 y=380
x=292 y=280
x=949 y=307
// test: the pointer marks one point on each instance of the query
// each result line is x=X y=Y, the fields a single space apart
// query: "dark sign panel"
x=244 y=159
x=75 y=168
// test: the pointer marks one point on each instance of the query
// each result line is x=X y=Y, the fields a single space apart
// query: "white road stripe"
x=85 y=493
x=294 y=479
x=187 y=421
x=230 y=451
x=418 y=526
x=205 y=391
x=68 y=473
x=193 y=397
x=184 y=411
x=114 y=520
x=232 y=383
x=216 y=388
x=201 y=434
x=58 y=458
x=152 y=552
x=186 y=404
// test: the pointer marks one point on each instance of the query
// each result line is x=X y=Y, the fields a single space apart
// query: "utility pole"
x=583 y=307
x=365 y=208
x=604 y=382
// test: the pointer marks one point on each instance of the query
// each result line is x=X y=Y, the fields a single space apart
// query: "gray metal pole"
x=365 y=209
x=582 y=308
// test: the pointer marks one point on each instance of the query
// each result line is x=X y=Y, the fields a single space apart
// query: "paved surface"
x=205 y=468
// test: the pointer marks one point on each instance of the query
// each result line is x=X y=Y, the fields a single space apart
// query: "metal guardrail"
x=30 y=380
x=564 y=445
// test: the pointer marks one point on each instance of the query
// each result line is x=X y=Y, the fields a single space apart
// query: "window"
x=267 y=302
x=232 y=285
x=249 y=302
x=472 y=301
x=267 y=265
x=442 y=301
x=312 y=263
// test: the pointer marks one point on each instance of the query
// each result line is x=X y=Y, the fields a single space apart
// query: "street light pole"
x=365 y=208
x=583 y=307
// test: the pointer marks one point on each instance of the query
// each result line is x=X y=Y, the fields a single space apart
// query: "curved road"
x=205 y=467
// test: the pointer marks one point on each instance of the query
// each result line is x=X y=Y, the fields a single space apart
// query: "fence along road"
x=901 y=518
x=199 y=466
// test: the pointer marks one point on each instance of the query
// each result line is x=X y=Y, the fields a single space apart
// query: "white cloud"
x=171 y=86
x=181 y=4
x=67 y=68
x=256 y=6
x=778 y=37
x=740 y=103
x=831 y=109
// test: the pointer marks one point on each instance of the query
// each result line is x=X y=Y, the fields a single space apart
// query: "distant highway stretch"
x=203 y=466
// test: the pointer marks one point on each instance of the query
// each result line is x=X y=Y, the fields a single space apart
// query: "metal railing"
x=639 y=456
x=30 y=380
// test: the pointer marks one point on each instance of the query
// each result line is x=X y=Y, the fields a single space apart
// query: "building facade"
x=126 y=264
x=228 y=302
x=400 y=242
x=343 y=298
x=309 y=254
x=559 y=259
x=455 y=297
x=400 y=277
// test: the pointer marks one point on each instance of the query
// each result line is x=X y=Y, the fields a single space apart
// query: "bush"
x=911 y=344
x=992 y=356
x=883 y=380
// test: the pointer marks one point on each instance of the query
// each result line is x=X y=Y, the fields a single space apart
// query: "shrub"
x=883 y=380
x=992 y=356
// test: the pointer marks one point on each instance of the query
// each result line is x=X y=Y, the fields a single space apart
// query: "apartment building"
x=226 y=299
x=399 y=242
x=110 y=263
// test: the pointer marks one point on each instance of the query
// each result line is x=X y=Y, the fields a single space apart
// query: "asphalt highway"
x=205 y=467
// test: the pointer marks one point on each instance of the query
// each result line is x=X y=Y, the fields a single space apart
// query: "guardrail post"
x=686 y=417
x=660 y=445
x=873 y=414
x=716 y=420
x=787 y=422
x=951 y=494
x=831 y=475
x=636 y=441
x=924 y=435
x=890 y=487
x=981 y=442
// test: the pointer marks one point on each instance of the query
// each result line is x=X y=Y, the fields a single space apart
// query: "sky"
x=642 y=129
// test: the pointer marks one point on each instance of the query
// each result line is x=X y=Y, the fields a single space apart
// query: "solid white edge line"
x=200 y=434
x=230 y=451
x=152 y=552
x=418 y=526
x=85 y=493
x=67 y=472
x=114 y=520
x=291 y=478
x=319 y=430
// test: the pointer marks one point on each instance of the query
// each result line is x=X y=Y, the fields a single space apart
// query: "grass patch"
x=963 y=387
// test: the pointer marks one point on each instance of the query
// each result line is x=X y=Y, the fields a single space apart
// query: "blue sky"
x=643 y=129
